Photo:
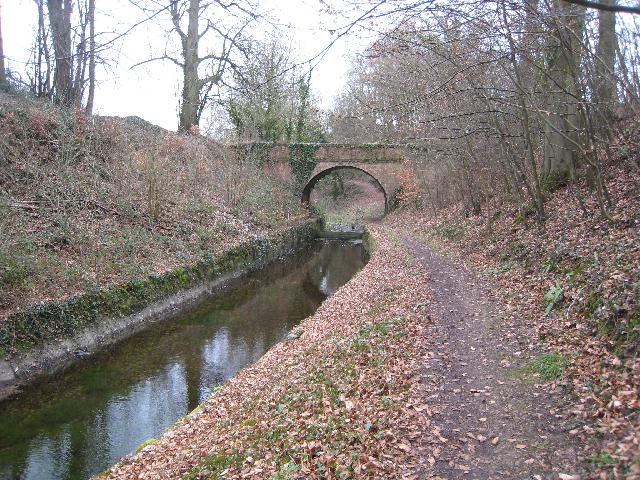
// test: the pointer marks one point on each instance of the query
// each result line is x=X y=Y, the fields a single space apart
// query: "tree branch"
x=163 y=57
x=605 y=7
x=175 y=18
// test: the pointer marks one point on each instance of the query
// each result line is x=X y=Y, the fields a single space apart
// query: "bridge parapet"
x=368 y=153
x=331 y=152
x=386 y=163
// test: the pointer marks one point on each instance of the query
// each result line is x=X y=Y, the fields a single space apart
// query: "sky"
x=151 y=91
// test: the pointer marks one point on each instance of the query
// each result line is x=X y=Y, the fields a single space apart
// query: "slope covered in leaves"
x=89 y=202
x=578 y=282
x=340 y=401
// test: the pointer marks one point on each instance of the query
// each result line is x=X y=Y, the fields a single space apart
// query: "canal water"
x=77 y=423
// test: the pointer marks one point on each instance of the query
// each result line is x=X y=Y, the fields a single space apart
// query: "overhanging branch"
x=606 y=7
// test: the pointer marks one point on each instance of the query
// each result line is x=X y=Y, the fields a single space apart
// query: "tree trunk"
x=529 y=39
x=41 y=83
x=605 y=91
x=60 y=20
x=191 y=88
x=525 y=122
x=77 y=81
x=3 y=75
x=92 y=56
x=564 y=56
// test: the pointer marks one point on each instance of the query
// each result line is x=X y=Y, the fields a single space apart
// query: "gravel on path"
x=488 y=423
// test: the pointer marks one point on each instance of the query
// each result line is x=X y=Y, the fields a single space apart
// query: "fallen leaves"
x=342 y=400
x=564 y=476
x=595 y=327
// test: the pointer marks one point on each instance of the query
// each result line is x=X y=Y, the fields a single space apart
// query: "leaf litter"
x=344 y=400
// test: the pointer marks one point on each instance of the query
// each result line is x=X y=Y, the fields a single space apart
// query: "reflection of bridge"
x=309 y=162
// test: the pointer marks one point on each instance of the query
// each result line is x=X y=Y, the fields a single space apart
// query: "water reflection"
x=78 y=423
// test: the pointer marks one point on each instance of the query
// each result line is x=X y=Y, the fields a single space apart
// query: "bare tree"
x=42 y=63
x=499 y=93
x=217 y=25
x=64 y=52
x=91 y=16
x=270 y=98
x=605 y=83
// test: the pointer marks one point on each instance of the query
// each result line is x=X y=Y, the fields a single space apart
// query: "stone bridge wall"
x=310 y=162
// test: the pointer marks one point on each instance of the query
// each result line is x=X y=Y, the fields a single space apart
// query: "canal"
x=77 y=423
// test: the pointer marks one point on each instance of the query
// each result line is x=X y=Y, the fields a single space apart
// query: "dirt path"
x=486 y=423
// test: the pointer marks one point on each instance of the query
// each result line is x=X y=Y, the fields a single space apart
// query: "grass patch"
x=594 y=302
x=602 y=459
x=286 y=472
x=450 y=232
x=215 y=466
x=573 y=274
x=375 y=310
x=550 y=265
x=14 y=270
x=548 y=366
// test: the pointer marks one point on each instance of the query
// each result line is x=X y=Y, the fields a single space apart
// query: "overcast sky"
x=151 y=91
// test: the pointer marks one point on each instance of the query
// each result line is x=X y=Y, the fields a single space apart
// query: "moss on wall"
x=302 y=160
x=63 y=319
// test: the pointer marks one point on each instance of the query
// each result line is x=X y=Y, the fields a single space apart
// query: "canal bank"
x=341 y=399
x=80 y=421
x=53 y=335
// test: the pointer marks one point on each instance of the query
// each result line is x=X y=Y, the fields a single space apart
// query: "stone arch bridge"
x=309 y=162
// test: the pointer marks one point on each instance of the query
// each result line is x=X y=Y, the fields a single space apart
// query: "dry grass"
x=88 y=201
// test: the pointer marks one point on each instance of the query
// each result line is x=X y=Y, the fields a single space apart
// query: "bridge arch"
x=311 y=183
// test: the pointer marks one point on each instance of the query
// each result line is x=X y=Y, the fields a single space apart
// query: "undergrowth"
x=101 y=201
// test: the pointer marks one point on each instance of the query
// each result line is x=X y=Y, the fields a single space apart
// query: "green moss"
x=624 y=333
x=146 y=443
x=450 y=232
x=214 y=466
x=549 y=366
x=64 y=319
x=369 y=242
